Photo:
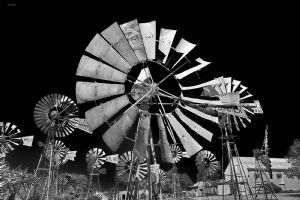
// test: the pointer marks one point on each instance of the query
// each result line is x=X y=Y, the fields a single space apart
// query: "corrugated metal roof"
x=277 y=163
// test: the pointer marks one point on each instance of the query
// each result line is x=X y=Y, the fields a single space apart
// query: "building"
x=279 y=166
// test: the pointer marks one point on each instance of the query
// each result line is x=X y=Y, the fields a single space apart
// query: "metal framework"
x=263 y=186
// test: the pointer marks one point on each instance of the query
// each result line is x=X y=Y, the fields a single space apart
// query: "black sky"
x=42 y=45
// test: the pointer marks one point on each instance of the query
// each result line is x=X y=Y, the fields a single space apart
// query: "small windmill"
x=134 y=170
x=95 y=159
x=52 y=115
x=236 y=98
x=10 y=136
x=207 y=162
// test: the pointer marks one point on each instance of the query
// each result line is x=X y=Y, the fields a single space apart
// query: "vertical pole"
x=50 y=170
x=232 y=172
x=149 y=173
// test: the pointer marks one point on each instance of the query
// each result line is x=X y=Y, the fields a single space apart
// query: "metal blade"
x=117 y=132
x=91 y=68
x=183 y=47
x=102 y=49
x=96 y=116
x=212 y=82
x=148 y=32
x=114 y=35
x=228 y=84
x=187 y=72
x=166 y=38
x=201 y=114
x=132 y=33
x=190 y=145
x=235 y=84
x=194 y=126
x=87 y=91
x=201 y=101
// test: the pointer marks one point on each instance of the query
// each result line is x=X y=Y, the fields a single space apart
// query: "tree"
x=294 y=160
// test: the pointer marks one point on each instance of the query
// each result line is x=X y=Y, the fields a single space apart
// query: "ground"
x=280 y=196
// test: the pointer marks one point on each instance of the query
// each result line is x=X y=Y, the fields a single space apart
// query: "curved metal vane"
x=53 y=114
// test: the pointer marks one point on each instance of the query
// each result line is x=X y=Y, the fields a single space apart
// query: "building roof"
x=277 y=163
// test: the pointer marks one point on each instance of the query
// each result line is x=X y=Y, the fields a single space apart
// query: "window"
x=280 y=179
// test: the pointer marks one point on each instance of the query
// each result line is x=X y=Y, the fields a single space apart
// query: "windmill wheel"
x=10 y=137
x=162 y=178
x=59 y=151
x=95 y=158
x=124 y=165
x=176 y=153
x=232 y=92
x=53 y=114
x=124 y=71
x=208 y=161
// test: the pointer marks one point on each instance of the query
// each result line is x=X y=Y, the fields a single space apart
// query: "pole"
x=50 y=168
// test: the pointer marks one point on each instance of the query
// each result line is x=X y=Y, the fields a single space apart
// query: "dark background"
x=41 y=46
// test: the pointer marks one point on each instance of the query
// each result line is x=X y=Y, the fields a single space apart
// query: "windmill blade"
x=91 y=68
x=148 y=32
x=189 y=144
x=141 y=171
x=118 y=131
x=164 y=144
x=141 y=136
x=212 y=82
x=187 y=72
x=114 y=35
x=194 y=126
x=183 y=47
x=91 y=91
x=166 y=38
x=203 y=115
x=132 y=33
x=202 y=101
x=162 y=177
x=102 y=49
x=247 y=96
x=96 y=116
x=235 y=84
x=228 y=84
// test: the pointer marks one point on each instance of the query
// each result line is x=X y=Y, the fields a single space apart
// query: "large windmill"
x=137 y=72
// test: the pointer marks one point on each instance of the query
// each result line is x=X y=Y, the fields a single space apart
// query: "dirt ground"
x=280 y=196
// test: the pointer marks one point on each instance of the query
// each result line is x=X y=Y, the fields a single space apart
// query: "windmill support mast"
x=238 y=180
